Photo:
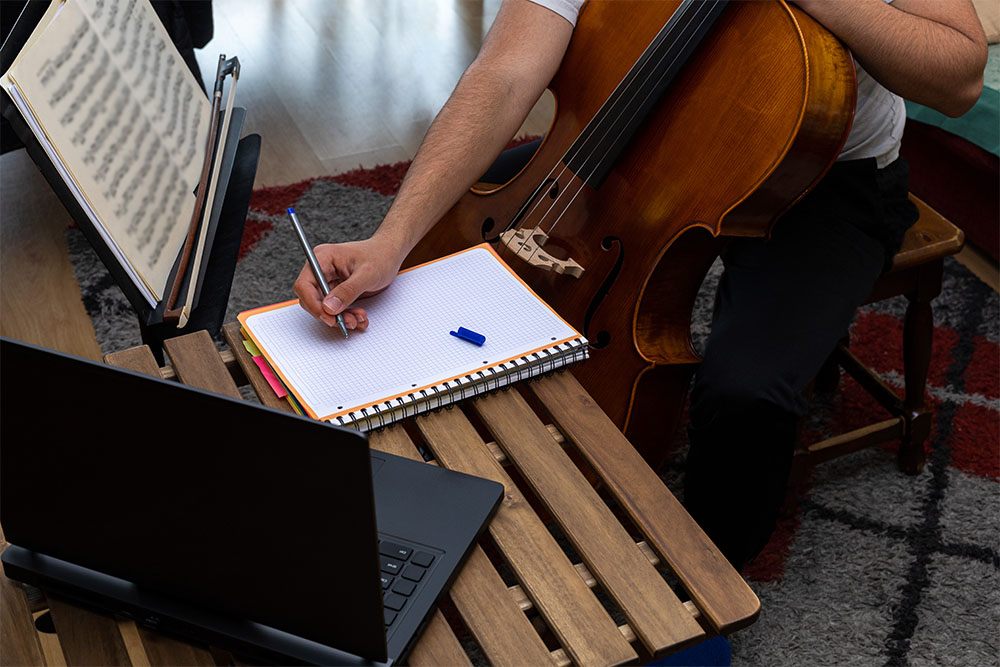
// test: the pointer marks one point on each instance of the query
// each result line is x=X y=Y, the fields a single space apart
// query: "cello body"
x=754 y=118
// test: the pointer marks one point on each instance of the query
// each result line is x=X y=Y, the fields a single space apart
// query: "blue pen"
x=314 y=264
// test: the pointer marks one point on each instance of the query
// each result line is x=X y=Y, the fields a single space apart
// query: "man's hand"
x=353 y=270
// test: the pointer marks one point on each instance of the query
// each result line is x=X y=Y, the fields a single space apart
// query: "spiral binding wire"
x=500 y=376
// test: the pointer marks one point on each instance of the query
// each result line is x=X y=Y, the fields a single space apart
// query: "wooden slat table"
x=575 y=568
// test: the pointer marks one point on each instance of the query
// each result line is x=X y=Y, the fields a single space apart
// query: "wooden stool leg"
x=918 y=336
x=796 y=480
x=800 y=468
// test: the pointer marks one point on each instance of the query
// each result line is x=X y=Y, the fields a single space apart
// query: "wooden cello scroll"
x=748 y=123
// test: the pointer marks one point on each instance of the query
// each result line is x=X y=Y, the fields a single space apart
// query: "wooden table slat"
x=139 y=359
x=394 y=440
x=19 y=643
x=51 y=648
x=724 y=598
x=493 y=615
x=438 y=646
x=654 y=612
x=133 y=643
x=260 y=386
x=480 y=595
x=197 y=363
x=575 y=616
x=164 y=650
x=87 y=637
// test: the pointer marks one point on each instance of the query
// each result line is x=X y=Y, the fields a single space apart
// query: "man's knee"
x=730 y=394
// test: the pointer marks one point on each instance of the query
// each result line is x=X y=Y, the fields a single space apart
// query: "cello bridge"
x=527 y=245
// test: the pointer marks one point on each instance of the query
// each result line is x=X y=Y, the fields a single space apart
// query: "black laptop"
x=276 y=536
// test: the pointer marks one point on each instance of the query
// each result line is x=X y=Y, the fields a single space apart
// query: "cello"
x=679 y=123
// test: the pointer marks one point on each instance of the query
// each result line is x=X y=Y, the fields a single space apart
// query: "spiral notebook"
x=408 y=361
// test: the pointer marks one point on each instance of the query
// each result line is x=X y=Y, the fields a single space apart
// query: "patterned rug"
x=875 y=567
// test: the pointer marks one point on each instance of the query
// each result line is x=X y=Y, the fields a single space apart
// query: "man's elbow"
x=967 y=89
x=961 y=99
x=963 y=89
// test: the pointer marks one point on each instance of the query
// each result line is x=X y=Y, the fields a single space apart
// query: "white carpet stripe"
x=943 y=394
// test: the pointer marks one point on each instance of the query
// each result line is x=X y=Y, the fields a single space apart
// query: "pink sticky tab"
x=275 y=383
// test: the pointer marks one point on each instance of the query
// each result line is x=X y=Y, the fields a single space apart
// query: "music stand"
x=238 y=168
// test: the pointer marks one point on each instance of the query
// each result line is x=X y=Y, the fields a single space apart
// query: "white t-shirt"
x=878 y=117
x=878 y=123
x=568 y=9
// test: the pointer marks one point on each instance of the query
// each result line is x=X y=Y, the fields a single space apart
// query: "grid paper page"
x=408 y=345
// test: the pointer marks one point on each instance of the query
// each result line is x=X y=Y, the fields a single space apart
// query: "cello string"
x=621 y=132
x=631 y=109
x=602 y=116
x=638 y=75
x=594 y=162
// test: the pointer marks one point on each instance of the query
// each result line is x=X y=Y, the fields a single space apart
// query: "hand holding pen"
x=355 y=269
x=314 y=266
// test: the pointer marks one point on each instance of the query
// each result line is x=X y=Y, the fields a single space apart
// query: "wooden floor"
x=329 y=85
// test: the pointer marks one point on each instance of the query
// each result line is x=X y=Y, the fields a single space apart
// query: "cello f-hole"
x=602 y=338
x=487 y=227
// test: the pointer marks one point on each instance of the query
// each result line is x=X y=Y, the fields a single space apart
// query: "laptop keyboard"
x=404 y=570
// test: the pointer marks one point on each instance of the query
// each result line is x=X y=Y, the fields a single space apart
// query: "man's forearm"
x=929 y=51
x=519 y=56
x=474 y=126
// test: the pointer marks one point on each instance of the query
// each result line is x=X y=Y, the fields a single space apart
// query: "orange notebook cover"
x=408 y=360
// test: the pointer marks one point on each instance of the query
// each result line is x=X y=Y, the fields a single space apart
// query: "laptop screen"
x=235 y=507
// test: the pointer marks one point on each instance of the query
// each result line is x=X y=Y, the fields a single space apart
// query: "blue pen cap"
x=291 y=210
x=471 y=336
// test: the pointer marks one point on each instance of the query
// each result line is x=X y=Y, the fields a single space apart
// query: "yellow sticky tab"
x=251 y=348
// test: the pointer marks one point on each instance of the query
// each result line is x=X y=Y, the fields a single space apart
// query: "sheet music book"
x=124 y=122
x=407 y=361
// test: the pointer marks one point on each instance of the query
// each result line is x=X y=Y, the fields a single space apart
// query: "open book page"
x=127 y=120
x=408 y=346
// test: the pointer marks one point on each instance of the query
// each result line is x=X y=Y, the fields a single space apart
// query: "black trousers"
x=782 y=305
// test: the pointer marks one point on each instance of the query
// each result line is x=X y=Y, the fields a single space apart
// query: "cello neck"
x=595 y=151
